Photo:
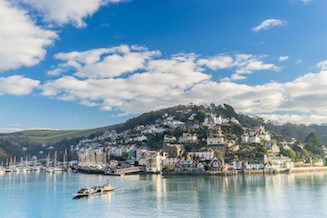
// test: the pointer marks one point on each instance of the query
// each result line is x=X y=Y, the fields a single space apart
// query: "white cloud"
x=149 y=82
x=255 y=65
x=182 y=78
x=236 y=77
x=218 y=62
x=10 y=129
x=104 y=62
x=17 y=85
x=283 y=58
x=160 y=79
x=298 y=61
x=306 y=1
x=62 y=12
x=240 y=63
x=22 y=43
x=322 y=65
x=269 y=23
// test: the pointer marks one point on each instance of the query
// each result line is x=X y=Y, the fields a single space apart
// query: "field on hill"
x=52 y=136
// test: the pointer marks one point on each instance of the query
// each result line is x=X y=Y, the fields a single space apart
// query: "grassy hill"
x=36 y=140
x=51 y=136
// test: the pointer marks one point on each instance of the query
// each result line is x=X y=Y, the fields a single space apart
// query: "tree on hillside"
x=177 y=132
x=303 y=153
x=313 y=144
x=218 y=154
x=288 y=153
x=200 y=115
x=237 y=129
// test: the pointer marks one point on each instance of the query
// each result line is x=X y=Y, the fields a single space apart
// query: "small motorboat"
x=83 y=192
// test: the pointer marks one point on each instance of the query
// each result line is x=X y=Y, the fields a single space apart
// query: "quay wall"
x=308 y=169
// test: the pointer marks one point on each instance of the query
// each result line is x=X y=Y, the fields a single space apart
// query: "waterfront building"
x=170 y=163
x=203 y=155
x=153 y=161
x=216 y=165
x=253 y=165
x=187 y=165
x=91 y=155
x=279 y=162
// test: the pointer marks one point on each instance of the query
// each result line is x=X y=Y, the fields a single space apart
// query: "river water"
x=50 y=195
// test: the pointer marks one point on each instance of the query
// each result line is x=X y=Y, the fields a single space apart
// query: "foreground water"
x=50 y=195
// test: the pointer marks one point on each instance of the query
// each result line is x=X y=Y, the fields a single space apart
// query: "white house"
x=203 y=155
x=188 y=138
x=279 y=162
x=234 y=120
x=152 y=130
x=245 y=138
x=186 y=165
x=170 y=162
x=253 y=165
x=212 y=120
x=215 y=140
x=265 y=136
x=254 y=139
x=141 y=138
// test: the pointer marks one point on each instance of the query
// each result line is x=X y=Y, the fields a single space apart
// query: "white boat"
x=83 y=192
x=96 y=190
x=107 y=187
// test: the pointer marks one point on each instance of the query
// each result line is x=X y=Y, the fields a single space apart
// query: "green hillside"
x=51 y=136
x=12 y=144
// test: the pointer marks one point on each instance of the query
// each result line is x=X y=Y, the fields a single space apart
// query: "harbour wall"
x=308 y=169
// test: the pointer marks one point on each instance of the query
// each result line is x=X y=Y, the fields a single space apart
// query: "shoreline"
x=250 y=172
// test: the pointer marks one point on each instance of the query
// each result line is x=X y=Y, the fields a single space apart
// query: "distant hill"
x=13 y=143
x=182 y=113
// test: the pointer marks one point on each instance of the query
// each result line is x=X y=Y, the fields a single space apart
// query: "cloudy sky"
x=81 y=64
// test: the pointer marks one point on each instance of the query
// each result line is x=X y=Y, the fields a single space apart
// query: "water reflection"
x=45 y=194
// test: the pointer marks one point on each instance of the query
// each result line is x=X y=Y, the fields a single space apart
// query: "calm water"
x=50 y=195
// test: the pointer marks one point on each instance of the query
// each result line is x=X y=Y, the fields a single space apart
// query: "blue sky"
x=82 y=64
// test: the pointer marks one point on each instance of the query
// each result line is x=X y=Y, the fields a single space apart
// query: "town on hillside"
x=213 y=145
x=193 y=141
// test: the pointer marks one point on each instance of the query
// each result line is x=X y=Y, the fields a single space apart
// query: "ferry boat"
x=95 y=190
x=106 y=188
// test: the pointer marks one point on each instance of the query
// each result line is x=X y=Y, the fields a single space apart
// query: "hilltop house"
x=215 y=136
x=188 y=138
